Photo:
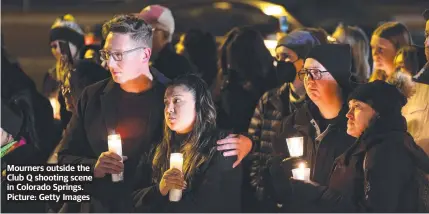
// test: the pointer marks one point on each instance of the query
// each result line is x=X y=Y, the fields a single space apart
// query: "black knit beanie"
x=383 y=97
x=65 y=28
x=337 y=59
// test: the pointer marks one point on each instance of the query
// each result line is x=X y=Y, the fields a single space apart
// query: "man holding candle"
x=130 y=104
x=380 y=172
x=320 y=121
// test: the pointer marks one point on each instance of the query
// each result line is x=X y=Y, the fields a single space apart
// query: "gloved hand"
x=280 y=173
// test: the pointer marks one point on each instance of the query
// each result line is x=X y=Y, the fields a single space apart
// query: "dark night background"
x=25 y=24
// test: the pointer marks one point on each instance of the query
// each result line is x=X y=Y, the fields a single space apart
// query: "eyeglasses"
x=314 y=73
x=117 y=56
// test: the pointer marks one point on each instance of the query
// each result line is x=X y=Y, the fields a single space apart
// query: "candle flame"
x=302 y=165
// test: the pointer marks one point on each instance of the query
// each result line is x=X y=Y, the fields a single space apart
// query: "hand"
x=236 y=145
x=108 y=163
x=172 y=179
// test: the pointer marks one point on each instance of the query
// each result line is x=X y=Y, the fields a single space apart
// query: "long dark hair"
x=196 y=148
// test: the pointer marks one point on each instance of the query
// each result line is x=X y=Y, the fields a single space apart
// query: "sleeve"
x=255 y=127
x=217 y=190
x=221 y=185
x=385 y=169
x=75 y=146
x=148 y=199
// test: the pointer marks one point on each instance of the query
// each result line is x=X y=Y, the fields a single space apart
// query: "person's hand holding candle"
x=172 y=179
x=301 y=173
x=108 y=163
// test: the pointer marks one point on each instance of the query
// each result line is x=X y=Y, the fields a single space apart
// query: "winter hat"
x=65 y=28
x=159 y=16
x=384 y=98
x=299 y=41
x=337 y=59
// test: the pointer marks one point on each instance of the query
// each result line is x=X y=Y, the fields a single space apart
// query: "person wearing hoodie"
x=278 y=103
x=321 y=120
x=381 y=171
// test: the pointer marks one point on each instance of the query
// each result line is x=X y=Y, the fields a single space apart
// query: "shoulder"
x=269 y=95
x=389 y=148
x=97 y=88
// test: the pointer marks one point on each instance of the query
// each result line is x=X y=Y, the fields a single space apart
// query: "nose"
x=349 y=114
x=110 y=62
x=170 y=107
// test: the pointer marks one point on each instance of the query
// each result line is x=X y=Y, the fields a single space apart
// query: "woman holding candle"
x=381 y=171
x=208 y=181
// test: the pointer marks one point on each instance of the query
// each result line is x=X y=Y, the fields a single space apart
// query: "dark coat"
x=377 y=174
x=86 y=138
x=171 y=64
x=215 y=188
x=320 y=149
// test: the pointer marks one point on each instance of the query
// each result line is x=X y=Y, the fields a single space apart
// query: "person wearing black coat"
x=383 y=170
x=209 y=183
x=321 y=120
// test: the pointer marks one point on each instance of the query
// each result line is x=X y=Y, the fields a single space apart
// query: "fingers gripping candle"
x=176 y=161
x=115 y=145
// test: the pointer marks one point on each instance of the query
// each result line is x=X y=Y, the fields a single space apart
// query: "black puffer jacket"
x=379 y=173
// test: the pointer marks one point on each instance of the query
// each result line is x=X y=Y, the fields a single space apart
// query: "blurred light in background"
x=274 y=10
x=271 y=46
x=222 y=5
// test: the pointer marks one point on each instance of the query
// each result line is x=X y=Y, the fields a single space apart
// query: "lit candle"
x=295 y=146
x=115 y=145
x=176 y=161
x=301 y=173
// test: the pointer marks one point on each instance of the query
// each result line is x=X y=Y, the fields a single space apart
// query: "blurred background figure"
x=64 y=30
x=408 y=62
x=201 y=49
x=164 y=58
x=386 y=40
x=357 y=39
x=28 y=132
x=319 y=33
x=249 y=73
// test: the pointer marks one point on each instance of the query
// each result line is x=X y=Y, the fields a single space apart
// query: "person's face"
x=359 y=115
x=179 y=111
x=427 y=41
x=325 y=89
x=159 y=39
x=285 y=54
x=383 y=54
x=56 y=52
x=132 y=57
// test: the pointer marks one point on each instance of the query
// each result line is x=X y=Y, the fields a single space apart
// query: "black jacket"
x=215 y=188
x=171 y=64
x=321 y=147
x=377 y=174
x=86 y=138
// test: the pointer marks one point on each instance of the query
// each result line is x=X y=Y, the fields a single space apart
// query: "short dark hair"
x=138 y=29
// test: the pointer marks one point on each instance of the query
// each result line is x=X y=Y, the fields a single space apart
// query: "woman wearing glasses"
x=321 y=120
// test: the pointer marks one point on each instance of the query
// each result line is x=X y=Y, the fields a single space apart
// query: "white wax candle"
x=295 y=146
x=115 y=145
x=176 y=161
x=301 y=173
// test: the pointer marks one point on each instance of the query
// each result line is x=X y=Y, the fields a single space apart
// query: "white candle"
x=295 y=146
x=115 y=145
x=301 y=173
x=176 y=161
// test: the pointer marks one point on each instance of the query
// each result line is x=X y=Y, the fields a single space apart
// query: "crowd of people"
x=229 y=111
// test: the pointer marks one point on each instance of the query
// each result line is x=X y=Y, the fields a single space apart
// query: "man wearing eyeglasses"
x=130 y=104
x=321 y=121
x=164 y=57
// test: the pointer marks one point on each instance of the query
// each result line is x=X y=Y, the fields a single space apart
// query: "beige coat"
x=416 y=111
